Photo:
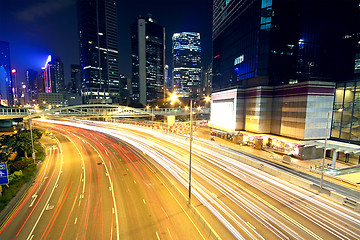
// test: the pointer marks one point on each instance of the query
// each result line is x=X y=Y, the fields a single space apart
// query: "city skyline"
x=39 y=28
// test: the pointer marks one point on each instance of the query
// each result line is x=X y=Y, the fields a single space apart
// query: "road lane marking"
x=165 y=213
x=157 y=235
x=144 y=201
x=51 y=193
x=32 y=202
x=170 y=233
x=250 y=225
x=75 y=220
x=134 y=181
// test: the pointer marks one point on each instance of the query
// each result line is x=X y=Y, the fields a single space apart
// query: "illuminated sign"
x=13 y=70
x=47 y=61
x=179 y=46
x=239 y=60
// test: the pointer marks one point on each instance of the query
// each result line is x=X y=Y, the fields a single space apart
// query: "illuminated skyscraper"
x=148 y=60
x=5 y=75
x=98 y=33
x=186 y=51
x=54 y=76
x=276 y=62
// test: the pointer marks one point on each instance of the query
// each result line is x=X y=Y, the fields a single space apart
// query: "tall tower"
x=99 y=50
x=186 y=51
x=5 y=74
x=148 y=60
x=75 y=79
x=54 y=76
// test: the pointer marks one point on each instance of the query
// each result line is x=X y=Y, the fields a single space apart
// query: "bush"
x=16 y=181
x=18 y=165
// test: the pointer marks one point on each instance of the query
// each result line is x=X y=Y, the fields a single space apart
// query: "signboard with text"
x=4 y=177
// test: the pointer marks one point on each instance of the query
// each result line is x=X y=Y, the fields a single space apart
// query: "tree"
x=19 y=142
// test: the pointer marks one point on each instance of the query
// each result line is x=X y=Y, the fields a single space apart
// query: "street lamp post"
x=323 y=162
x=191 y=138
x=32 y=140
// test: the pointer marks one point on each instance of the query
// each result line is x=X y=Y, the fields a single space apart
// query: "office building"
x=98 y=32
x=75 y=79
x=186 y=50
x=148 y=60
x=32 y=85
x=275 y=63
x=54 y=75
x=6 y=96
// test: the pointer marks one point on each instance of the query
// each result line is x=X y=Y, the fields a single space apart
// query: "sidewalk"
x=313 y=166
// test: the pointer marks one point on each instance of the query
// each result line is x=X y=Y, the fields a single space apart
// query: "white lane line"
x=170 y=233
x=165 y=212
x=51 y=193
x=75 y=220
x=251 y=225
x=157 y=235
x=32 y=237
x=144 y=201
x=134 y=181
x=112 y=193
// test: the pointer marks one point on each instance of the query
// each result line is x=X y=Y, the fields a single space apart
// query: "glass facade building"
x=98 y=32
x=186 y=51
x=346 y=114
x=54 y=76
x=148 y=60
x=6 y=96
x=276 y=42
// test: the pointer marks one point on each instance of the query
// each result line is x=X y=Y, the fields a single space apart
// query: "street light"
x=31 y=135
x=174 y=98
x=323 y=162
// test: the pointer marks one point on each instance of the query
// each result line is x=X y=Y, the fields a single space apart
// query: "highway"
x=249 y=203
x=93 y=186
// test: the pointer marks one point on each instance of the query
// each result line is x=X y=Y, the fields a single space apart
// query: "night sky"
x=37 y=28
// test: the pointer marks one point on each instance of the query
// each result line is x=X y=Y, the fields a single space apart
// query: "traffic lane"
x=315 y=227
x=89 y=215
x=31 y=207
x=147 y=213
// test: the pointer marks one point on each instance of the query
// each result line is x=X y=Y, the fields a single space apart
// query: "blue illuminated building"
x=283 y=41
x=186 y=51
x=280 y=66
x=5 y=74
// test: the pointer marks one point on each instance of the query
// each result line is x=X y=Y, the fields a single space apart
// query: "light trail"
x=317 y=210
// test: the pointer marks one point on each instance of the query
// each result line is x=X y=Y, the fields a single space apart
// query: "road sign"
x=4 y=177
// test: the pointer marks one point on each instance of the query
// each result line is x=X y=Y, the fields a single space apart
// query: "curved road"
x=92 y=186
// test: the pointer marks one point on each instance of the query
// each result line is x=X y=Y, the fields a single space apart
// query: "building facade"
x=283 y=58
x=32 y=86
x=54 y=75
x=148 y=60
x=186 y=51
x=274 y=42
x=98 y=33
x=75 y=79
x=6 y=96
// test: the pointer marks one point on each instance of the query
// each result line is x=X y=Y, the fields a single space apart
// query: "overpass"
x=100 y=110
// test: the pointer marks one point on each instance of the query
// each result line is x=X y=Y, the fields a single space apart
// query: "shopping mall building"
x=282 y=70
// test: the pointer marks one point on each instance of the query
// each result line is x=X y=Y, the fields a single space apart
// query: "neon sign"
x=47 y=61
x=239 y=60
